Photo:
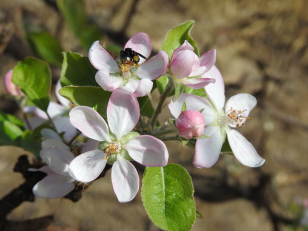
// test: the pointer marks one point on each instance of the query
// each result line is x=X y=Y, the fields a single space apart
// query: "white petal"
x=90 y=123
x=207 y=150
x=54 y=186
x=87 y=166
x=45 y=169
x=50 y=134
x=101 y=59
x=90 y=145
x=216 y=91
x=49 y=143
x=36 y=111
x=34 y=122
x=107 y=82
x=55 y=109
x=66 y=103
x=132 y=84
x=148 y=151
x=63 y=124
x=125 y=180
x=243 y=102
x=197 y=83
x=243 y=149
x=122 y=112
x=144 y=88
x=194 y=103
x=57 y=159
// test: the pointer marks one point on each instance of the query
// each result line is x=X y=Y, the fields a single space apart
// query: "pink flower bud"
x=190 y=124
x=10 y=87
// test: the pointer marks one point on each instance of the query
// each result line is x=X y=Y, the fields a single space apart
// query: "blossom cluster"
x=116 y=142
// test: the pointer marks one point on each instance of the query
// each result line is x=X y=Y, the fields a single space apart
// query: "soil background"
x=262 y=49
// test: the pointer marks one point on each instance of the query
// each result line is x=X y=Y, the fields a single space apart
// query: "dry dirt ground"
x=262 y=49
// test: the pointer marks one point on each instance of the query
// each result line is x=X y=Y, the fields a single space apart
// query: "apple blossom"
x=190 y=124
x=185 y=64
x=117 y=146
x=9 y=86
x=113 y=74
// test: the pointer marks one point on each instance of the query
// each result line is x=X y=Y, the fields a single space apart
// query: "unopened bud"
x=190 y=124
x=10 y=87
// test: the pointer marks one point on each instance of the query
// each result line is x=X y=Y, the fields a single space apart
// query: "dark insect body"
x=131 y=55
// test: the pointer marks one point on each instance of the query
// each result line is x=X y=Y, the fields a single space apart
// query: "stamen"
x=126 y=65
x=111 y=149
x=83 y=185
x=236 y=118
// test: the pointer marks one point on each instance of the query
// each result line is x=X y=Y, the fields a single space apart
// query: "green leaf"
x=77 y=71
x=46 y=46
x=179 y=88
x=177 y=36
x=162 y=83
x=198 y=92
x=167 y=195
x=74 y=13
x=226 y=149
x=184 y=107
x=146 y=108
x=88 y=35
x=33 y=77
x=95 y=97
x=30 y=144
x=11 y=118
x=9 y=134
x=203 y=137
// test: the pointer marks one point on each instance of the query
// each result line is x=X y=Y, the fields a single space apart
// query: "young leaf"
x=184 y=107
x=95 y=97
x=30 y=144
x=226 y=149
x=11 y=118
x=47 y=47
x=77 y=71
x=198 y=92
x=179 y=88
x=162 y=83
x=167 y=195
x=9 y=134
x=177 y=36
x=146 y=108
x=33 y=77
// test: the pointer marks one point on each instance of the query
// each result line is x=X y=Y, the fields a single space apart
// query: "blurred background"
x=262 y=49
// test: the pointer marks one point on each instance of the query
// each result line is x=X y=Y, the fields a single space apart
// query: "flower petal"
x=207 y=150
x=107 y=82
x=45 y=169
x=57 y=159
x=36 y=111
x=50 y=134
x=66 y=103
x=197 y=83
x=54 y=143
x=101 y=59
x=154 y=67
x=216 y=92
x=185 y=46
x=132 y=85
x=87 y=166
x=243 y=149
x=90 y=123
x=63 y=124
x=204 y=63
x=90 y=145
x=125 y=180
x=122 y=112
x=55 y=109
x=182 y=64
x=144 y=88
x=194 y=103
x=148 y=151
x=54 y=186
x=141 y=43
x=243 y=102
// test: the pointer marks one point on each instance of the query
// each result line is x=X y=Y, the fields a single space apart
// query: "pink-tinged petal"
x=101 y=59
x=216 y=92
x=243 y=149
x=34 y=122
x=185 y=46
x=148 y=151
x=90 y=145
x=55 y=109
x=182 y=64
x=107 y=82
x=204 y=63
x=125 y=180
x=45 y=169
x=197 y=83
x=154 y=67
x=63 y=124
x=54 y=186
x=190 y=124
x=10 y=87
x=207 y=150
x=132 y=85
x=57 y=159
x=36 y=111
x=194 y=103
x=88 y=166
x=144 y=88
x=50 y=134
x=49 y=143
x=90 y=123
x=122 y=112
x=241 y=102
x=140 y=43
x=66 y=103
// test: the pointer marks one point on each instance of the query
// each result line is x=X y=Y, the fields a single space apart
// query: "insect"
x=132 y=55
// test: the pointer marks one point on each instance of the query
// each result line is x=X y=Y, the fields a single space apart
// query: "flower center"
x=233 y=117
x=112 y=148
x=126 y=65
x=80 y=184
